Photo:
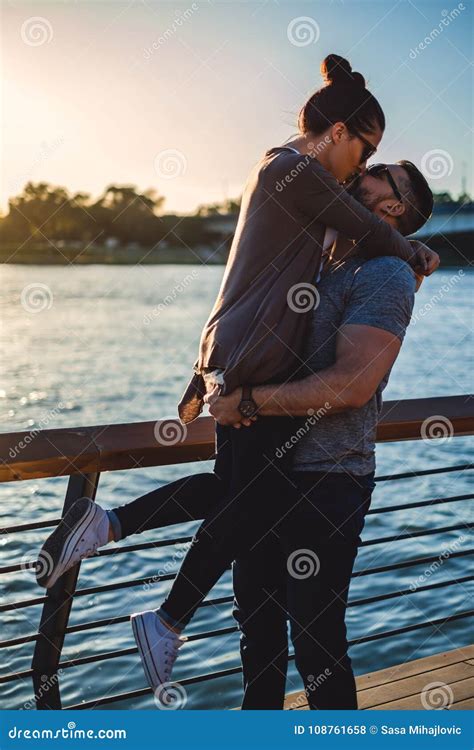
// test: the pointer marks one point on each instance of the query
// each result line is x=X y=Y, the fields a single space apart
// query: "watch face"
x=247 y=408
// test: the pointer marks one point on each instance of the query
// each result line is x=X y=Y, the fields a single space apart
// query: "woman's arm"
x=344 y=248
x=317 y=194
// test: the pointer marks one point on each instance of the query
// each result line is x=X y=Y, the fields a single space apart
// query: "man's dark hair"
x=417 y=198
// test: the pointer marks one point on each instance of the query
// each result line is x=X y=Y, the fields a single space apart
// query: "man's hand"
x=225 y=410
x=425 y=260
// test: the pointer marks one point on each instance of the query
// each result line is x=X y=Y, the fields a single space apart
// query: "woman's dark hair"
x=342 y=98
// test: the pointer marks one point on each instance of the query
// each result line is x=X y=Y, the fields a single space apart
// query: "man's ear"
x=392 y=208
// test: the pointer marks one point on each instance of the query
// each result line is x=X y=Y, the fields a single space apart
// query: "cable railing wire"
x=403 y=423
x=185 y=539
x=231 y=629
x=133 y=694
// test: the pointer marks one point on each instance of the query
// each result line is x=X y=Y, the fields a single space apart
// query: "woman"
x=291 y=206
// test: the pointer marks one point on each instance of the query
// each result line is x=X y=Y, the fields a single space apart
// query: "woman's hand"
x=225 y=409
x=419 y=280
x=425 y=261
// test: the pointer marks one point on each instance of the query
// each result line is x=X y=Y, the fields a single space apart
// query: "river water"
x=109 y=344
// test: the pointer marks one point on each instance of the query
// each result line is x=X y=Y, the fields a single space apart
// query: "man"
x=302 y=566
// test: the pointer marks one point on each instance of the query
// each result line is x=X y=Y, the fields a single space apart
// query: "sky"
x=185 y=97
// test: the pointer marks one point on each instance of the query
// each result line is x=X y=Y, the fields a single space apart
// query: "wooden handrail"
x=85 y=450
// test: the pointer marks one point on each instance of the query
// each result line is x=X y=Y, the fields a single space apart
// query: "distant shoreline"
x=118 y=256
x=455 y=249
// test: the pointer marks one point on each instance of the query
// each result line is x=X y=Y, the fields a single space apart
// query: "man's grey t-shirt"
x=378 y=293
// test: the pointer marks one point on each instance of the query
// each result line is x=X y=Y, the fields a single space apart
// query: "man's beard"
x=361 y=194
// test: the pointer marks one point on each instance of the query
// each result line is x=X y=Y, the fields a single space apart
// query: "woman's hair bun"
x=336 y=69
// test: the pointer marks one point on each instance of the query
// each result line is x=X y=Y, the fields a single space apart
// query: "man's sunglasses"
x=368 y=150
x=376 y=170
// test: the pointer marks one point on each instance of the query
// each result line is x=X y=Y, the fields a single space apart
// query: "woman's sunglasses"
x=368 y=150
x=376 y=170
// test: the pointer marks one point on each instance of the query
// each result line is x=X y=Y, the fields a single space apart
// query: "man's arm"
x=364 y=354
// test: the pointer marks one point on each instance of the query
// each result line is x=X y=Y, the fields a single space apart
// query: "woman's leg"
x=87 y=526
x=190 y=498
x=259 y=496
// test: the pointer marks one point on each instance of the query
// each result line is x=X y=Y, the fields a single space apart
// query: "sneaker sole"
x=146 y=656
x=59 y=546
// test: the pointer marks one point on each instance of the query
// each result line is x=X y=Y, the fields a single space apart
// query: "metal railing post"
x=56 y=611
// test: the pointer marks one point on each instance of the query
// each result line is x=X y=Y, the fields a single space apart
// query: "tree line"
x=46 y=212
x=122 y=212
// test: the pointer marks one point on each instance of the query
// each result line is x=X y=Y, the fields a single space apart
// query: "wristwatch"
x=247 y=407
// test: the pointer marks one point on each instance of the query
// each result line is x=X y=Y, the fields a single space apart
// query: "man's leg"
x=259 y=495
x=321 y=538
x=259 y=579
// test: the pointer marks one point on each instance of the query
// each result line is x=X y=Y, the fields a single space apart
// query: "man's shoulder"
x=385 y=269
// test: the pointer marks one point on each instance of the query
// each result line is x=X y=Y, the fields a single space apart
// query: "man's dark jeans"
x=302 y=571
x=326 y=518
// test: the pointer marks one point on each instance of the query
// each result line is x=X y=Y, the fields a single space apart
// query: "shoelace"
x=172 y=654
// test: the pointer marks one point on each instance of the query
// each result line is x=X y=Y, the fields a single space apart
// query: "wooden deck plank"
x=415 y=685
x=461 y=690
x=410 y=668
x=401 y=686
x=466 y=705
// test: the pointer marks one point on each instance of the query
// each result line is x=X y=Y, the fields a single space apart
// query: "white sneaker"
x=84 y=528
x=158 y=648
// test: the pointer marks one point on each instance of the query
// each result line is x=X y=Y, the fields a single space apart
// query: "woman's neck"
x=305 y=144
